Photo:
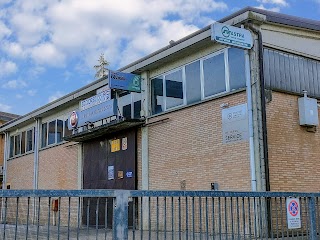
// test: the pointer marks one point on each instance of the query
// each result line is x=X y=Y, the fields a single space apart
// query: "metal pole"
x=312 y=218
x=120 y=215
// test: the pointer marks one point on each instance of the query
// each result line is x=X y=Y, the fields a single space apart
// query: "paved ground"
x=11 y=232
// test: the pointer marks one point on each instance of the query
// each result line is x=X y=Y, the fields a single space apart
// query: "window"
x=29 y=141
x=217 y=73
x=214 y=75
x=193 y=82
x=21 y=143
x=53 y=132
x=157 y=95
x=174 y=89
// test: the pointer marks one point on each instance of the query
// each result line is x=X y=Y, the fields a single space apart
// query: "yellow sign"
x=115 y=145
x=120 y=174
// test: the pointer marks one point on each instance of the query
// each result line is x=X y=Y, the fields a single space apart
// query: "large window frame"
x=202 y=82
x=46 y=132
x=20 y=144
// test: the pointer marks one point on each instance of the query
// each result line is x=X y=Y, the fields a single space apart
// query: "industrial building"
x=209 y=116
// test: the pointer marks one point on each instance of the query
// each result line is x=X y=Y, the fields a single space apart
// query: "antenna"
x=101 y=67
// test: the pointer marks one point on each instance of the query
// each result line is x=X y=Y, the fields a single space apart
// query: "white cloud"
x=273 y=9
x=32 y=92
x=47 y=53
x=19 y=96
x=56 y=96
x=4 y=107
x=13 y=49
x=7 y=67
x=282 y=3
x=14 y=84
x=4 y=30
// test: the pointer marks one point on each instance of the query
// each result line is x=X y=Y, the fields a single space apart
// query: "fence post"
x=312 y=218
x=120 y=215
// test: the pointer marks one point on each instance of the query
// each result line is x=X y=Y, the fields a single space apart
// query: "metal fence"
x=124 y=214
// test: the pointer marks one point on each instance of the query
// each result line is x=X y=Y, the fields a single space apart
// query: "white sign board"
x=230 y=35
x=293 y=213
x=235 y=124
x=95 y=100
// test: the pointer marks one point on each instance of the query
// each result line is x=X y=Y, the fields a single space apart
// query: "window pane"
x=126 y=111
x=23 y=142
x=123 y=102
x=157 y=95
x=11 y=146
x=29 y=141
x=52 y=132
x=236 y=68
x=136 y=105
x=44 y=135
x=174 y=89
x=59 y=130
x=214 y=75
x=67 y=132
x=17 y=145
x=193 y=82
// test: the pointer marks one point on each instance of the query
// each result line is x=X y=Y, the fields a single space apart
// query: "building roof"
x=174 y=50
x=6 y=117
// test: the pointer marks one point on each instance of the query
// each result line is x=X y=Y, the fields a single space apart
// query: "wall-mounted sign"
x=235 y=126
x=124 y=143
x=73 y=119
x=120 y=174
x=95 y=100
x=115 y=145
x=110 y=172
x=293 y=213
x=129 y=174
x=124 y=81
x=226 y=34
x=96 y=113
x=103 y=89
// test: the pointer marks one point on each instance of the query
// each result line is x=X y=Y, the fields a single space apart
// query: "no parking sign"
x=293 y=213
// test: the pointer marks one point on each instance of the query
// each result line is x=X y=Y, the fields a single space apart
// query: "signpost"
x=234 y=36
x=293 y=213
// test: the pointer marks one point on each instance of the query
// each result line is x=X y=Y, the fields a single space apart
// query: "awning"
x=104 y=129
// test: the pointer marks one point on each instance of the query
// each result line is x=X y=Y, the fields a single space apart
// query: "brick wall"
x=187 y=149
x=294 y=153
x=58 y=167
x=20 y=172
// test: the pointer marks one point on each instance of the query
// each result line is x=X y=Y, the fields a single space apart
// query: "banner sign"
x=235 y=127
x=124 y=81
x=95 y=100
x=93 y=114
x=234 y=36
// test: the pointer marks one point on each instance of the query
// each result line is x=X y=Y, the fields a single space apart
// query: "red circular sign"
x=293 y=208
x=73 y=120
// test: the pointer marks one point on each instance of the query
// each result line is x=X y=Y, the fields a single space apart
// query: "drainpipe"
x=5 y=159
x=36 y=154
x=263 y=107
x=250 y=120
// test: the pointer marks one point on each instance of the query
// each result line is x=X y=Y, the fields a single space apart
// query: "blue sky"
x=48 y=47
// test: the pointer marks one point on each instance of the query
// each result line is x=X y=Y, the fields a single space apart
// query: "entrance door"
x=108 y=163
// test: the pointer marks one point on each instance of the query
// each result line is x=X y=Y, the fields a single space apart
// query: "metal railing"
x=124 y=214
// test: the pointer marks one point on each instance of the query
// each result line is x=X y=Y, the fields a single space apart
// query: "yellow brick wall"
x=20 y=172
x=188 y=147
x=294 y=153
x=58 y=167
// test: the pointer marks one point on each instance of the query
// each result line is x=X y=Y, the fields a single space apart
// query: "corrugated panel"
x=292 y=73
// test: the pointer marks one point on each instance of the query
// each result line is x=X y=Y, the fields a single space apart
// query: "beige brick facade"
x=187 y=149
x=58 y=167
x=293 y=152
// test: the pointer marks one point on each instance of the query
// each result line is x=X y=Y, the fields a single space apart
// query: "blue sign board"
x=124 y=81
x=129 y=174
x=93 y=114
